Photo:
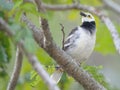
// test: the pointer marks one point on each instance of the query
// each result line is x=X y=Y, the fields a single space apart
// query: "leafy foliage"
x=94 y=71
x=5 y=53
x=36 y=80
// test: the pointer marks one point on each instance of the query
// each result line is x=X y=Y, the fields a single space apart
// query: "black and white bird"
x=80 y=42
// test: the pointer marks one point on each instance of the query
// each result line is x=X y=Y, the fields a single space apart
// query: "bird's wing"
x=70 y=39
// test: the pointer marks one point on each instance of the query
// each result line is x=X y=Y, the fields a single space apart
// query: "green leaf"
x=35 y=79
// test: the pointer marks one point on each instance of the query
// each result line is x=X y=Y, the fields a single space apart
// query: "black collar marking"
x=90 y=26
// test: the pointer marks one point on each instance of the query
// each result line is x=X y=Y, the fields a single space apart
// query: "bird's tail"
x=56 y=76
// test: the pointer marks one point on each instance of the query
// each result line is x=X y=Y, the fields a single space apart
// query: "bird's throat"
x=90 y=26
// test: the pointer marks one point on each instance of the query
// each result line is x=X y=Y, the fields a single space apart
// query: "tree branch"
x=114 y=6
x=39 y=69
x=37 y=32
x=16 y=70
x=67 y=7
x=32 y=59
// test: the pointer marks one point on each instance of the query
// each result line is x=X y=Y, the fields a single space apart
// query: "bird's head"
x=87 y=17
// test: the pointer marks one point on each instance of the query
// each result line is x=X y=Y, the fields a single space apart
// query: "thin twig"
x=63 y=33
x=16 y=71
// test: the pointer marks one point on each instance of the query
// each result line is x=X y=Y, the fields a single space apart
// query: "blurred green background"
x=103 y=64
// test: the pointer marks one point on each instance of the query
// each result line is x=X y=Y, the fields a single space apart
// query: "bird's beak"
x=82 y=14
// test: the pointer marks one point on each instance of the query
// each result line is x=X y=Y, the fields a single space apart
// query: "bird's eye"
x=89 y=16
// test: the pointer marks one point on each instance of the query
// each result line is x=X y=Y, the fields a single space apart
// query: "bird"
x=79 y=43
